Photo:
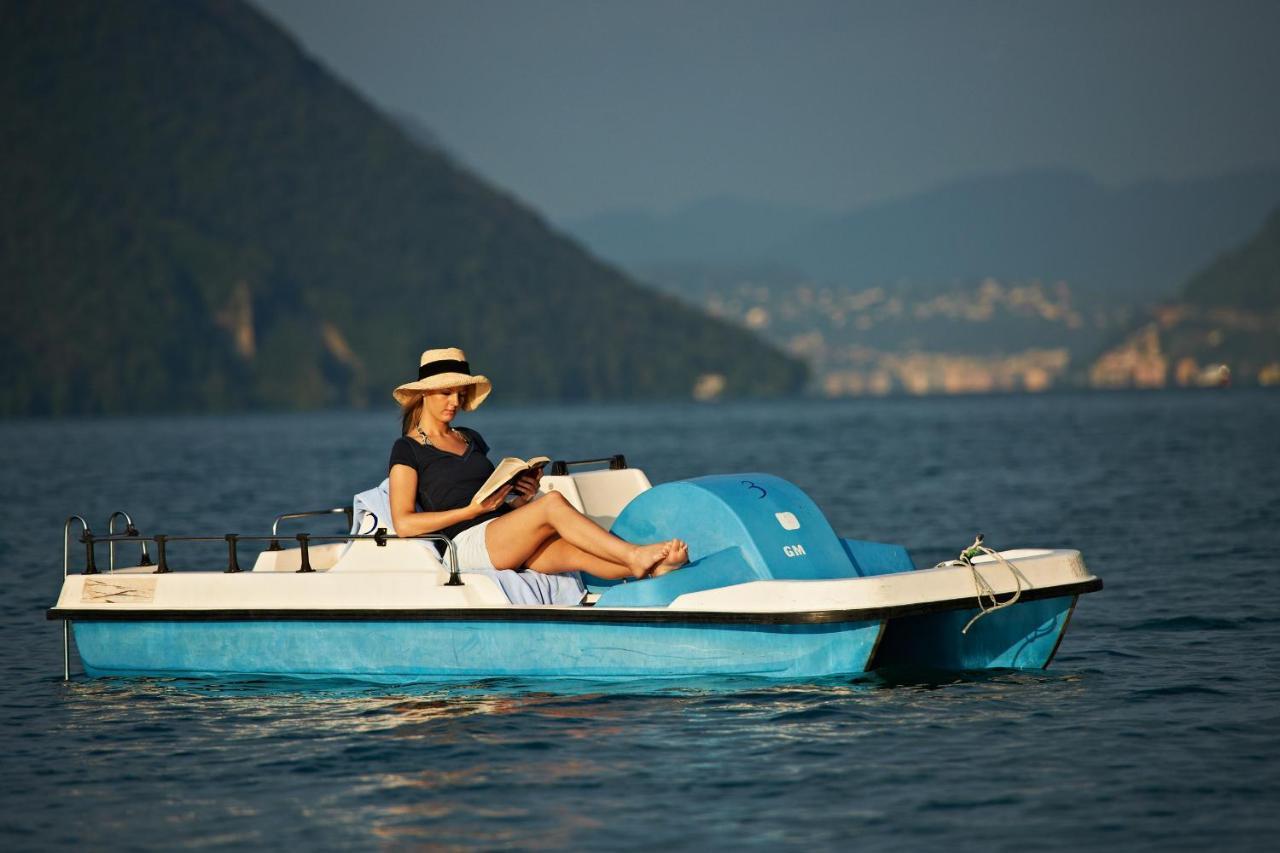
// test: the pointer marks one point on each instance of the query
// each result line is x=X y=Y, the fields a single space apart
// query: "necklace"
x=450 y=432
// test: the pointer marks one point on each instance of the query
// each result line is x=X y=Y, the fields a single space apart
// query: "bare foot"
x=677 y=556
x=647 y=557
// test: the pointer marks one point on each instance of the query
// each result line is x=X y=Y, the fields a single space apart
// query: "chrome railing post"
x=455 y=577
x=274 y=544
x=111 y=531
x=66 y=564
x=129 y=530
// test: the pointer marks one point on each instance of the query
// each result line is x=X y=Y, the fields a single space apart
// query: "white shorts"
x=473 y=554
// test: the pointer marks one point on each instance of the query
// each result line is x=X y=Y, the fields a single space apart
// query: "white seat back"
x=599 y=495
x=372 y=509
x=398 y=555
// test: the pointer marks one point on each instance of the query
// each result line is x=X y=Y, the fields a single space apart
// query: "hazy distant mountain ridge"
x=1013 y=282
x=1133 y=243
x=720 y=230
x=197 y=215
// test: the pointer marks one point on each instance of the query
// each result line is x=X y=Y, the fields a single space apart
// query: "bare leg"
x=556 y=556
x=513 y=538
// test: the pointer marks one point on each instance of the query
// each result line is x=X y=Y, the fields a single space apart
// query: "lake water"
x=1157 y=727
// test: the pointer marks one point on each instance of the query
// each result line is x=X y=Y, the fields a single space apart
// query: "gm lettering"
x=793 y=550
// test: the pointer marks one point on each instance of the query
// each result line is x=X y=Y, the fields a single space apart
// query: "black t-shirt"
x=447 y=480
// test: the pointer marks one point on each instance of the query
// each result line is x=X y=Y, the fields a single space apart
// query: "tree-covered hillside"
x=1226 y=323
x=1247 y=277
x=197 y=216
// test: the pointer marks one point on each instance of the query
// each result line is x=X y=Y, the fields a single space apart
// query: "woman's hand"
x=492 y=502
x=526 y=487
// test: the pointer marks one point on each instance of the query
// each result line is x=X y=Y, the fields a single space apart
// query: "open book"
x=507 y=471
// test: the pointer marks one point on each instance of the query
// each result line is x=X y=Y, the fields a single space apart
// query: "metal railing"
x=617 y=462
x=162 y=542
x=348 y=511
x=144 y=560
x=66 y=564
x=379 y=536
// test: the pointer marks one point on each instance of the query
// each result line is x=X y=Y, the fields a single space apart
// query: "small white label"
x=788 y=520
x=793 y=550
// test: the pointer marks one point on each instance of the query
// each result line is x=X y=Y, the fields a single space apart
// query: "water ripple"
x=1155 y=728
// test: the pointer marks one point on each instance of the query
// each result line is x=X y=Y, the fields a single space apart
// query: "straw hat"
x=444 y=368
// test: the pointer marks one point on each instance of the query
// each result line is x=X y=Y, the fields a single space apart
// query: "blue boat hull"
x=1023 y=636
x=422 y=650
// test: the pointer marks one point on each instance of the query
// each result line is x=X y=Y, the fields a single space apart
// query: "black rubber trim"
x=597 y=614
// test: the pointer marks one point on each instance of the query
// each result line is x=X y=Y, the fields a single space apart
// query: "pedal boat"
x=770 y=591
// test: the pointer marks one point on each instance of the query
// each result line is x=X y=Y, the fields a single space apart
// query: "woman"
x=442 y=466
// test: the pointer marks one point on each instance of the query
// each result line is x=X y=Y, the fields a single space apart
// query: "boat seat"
x=397 y=555
x=599 y=495
x=372 y=509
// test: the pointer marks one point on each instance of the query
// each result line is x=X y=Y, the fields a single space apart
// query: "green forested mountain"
x=195 y=215
x=1247 y=277
x=1225 y=322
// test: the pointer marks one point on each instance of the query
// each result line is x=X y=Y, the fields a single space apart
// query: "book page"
x=509 y=469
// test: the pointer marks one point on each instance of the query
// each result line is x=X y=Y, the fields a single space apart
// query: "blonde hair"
x=411 y=413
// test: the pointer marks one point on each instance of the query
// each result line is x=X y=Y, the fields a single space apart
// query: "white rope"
x=982 y=588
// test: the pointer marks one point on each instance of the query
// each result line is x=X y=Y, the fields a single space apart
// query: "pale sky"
x=579 y=106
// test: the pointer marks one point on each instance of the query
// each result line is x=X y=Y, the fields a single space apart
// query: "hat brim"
x=410 y=391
